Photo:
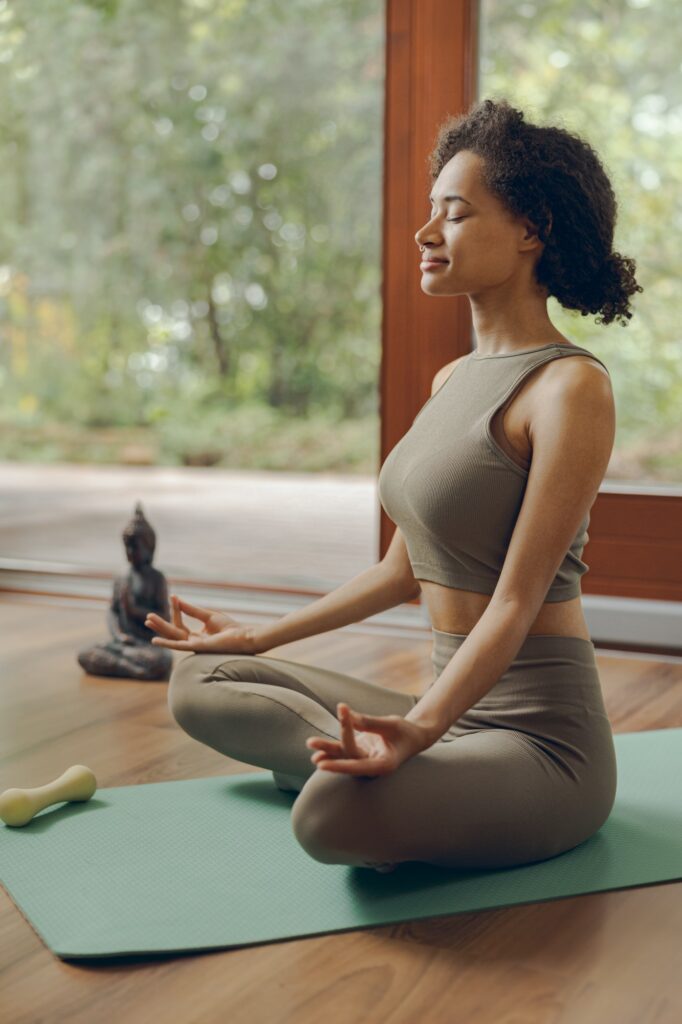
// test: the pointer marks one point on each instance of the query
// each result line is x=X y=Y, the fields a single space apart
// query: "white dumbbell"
x=18 y=806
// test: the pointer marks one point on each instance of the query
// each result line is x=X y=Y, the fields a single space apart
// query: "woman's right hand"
x=221 y=633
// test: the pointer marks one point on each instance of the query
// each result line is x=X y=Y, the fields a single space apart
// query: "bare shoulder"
x=557 y=375
x=573 y=367
x=442 y=375
x=579 y=384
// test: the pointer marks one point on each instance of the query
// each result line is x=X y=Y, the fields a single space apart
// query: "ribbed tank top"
x=454 y=493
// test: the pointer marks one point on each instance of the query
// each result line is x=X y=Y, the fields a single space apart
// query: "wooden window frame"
x=634 y=547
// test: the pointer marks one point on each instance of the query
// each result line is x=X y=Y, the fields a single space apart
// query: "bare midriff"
x=457 y=611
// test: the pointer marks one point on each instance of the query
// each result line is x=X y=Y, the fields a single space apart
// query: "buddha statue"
x=130 y=652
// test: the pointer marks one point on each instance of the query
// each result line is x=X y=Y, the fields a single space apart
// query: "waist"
x=456 y=611
x=533 y=646
x=552 y=668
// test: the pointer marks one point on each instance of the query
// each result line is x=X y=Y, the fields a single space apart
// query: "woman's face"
x=484 y=245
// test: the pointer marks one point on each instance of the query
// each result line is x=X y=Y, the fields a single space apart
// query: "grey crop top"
x=454 y=493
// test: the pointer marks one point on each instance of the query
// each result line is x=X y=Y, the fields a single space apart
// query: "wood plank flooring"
x=611 y=958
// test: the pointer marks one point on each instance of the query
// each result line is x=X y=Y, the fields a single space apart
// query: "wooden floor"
x=611 y=958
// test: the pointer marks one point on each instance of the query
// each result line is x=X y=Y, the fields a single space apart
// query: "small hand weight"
x=18 y=806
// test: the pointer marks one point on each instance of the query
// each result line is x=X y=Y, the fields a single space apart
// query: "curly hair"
x=556 y=179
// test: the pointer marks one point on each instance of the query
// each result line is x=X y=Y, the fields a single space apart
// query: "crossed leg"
x=261 y=710
x=486 y=799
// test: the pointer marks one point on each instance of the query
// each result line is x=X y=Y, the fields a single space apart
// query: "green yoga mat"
x=212 y=863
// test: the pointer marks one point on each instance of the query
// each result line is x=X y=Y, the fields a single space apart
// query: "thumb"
x=376 y=723
x=194 y=642
x=362 y=719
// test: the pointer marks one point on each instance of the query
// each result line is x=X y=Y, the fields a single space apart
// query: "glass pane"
x=611 y=73
x=190 y=199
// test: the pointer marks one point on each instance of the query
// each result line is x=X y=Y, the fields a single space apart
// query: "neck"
x=508 y=319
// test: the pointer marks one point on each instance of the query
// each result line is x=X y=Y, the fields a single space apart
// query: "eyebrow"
x=447 y=199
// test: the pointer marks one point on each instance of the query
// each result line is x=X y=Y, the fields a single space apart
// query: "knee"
x=319 y=817
x=189 y=679
x=180 y=689
x=187 y=688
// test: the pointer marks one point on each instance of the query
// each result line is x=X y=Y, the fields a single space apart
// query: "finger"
x=165 y=628
x=178 y=645
x=355 y=767
x=372 y=723
x=347 y=733
x=193 y=609
x=177 y=617
x=331 y=746
x=154 y=621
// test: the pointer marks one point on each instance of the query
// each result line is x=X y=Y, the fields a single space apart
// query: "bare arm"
x=384 y=585
x=477 y=665
x=372 y=591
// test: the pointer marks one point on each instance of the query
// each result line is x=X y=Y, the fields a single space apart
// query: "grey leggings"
x=535 y=777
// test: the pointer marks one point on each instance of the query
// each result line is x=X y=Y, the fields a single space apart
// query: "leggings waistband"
x=547 y=667
x=538 y=645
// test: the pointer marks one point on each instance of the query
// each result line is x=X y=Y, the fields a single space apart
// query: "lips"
x=433 y=259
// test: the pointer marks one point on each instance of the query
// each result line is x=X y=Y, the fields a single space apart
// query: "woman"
x=490 y=489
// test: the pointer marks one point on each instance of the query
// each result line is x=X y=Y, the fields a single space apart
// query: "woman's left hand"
x=370 y=744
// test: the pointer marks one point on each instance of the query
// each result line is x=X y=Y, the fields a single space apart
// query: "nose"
x=423 y=234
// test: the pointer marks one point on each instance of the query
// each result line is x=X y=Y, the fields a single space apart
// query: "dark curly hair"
x=556 y=179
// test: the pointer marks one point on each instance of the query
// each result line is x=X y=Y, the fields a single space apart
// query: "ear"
x=532 y=232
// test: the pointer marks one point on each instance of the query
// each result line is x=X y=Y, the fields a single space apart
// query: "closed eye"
x=456 y=218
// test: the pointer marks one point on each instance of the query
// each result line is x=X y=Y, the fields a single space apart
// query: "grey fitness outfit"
x=537 y=773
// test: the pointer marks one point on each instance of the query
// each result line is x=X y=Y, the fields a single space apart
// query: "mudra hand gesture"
x=370 y=745
x=221 y=633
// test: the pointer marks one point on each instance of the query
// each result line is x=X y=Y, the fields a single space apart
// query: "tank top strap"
x=497 y=377
x=574 y=350
x=534 y=356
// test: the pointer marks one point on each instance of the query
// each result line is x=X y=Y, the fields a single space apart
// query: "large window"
x=190 y=279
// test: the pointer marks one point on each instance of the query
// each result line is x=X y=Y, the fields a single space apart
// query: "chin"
x=436 y=288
